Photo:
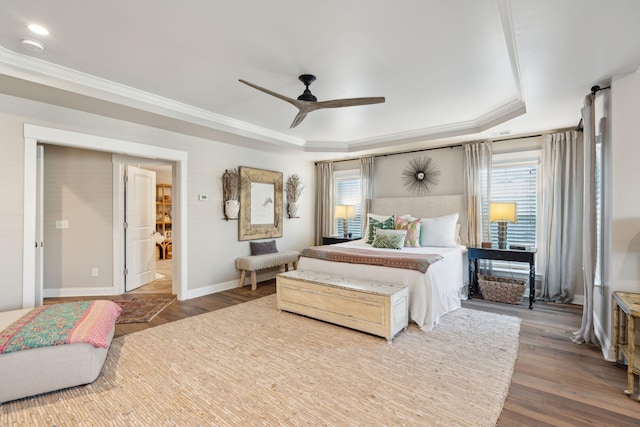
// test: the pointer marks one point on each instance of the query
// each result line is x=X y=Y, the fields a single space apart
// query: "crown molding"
x=502 y=114
x=52 y=75
x=46 y=73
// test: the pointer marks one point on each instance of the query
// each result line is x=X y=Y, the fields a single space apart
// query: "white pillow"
x=439 y=231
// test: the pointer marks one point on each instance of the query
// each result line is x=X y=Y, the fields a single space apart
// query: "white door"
x=140 y=217
x=39 y=224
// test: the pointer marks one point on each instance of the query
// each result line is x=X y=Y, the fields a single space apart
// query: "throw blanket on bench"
x=420 y=262
x=87 y=322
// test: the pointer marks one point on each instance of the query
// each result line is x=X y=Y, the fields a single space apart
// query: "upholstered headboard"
x=424 y=207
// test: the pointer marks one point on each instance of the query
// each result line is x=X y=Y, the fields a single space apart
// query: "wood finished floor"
x=555 y=382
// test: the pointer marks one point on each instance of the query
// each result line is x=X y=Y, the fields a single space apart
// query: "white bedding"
x=431 y=294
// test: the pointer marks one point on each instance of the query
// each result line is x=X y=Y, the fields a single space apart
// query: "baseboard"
x=232 y=284
x=578 y=299
x=608 y=351
x=77 y=292
x=211 y=289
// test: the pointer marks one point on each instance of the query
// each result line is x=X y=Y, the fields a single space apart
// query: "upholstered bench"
x=252 y=263
x=36 y=370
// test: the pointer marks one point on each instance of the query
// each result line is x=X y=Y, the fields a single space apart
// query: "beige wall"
x=213 y=242
x=388 y=172
x=78 y=188
x=625 y=176
x=11 y=194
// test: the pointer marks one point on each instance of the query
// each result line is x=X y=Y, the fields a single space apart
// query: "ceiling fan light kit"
x=307 y=102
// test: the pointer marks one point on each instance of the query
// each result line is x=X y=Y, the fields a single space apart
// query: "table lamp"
x=346 y=212
x=502 y=212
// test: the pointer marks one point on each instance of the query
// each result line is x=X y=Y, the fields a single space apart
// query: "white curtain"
x=586 y=334
x=325 y=223
x=561 y=216
x=477 y=179
x=366 y=181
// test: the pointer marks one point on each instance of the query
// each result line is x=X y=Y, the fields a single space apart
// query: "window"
x=598 y=195
x=348 y=193
x=514 y=178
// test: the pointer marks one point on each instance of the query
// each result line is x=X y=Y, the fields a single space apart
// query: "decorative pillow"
x=262 y=248
x=390 y=239
x=412 y=240
x=371 y=216
x=386 y=224
x=439 y=231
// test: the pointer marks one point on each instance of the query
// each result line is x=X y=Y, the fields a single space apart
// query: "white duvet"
x=431 y=294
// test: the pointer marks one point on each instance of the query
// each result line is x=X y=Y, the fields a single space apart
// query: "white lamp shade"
x=345 y=211
x=503 y=211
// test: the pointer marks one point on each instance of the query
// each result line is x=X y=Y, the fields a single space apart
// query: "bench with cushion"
x=264 y=255
x=28 y=369
x=252 y=263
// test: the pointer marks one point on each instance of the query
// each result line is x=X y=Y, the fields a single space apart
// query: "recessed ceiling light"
x=33 y=45
x=39 y=29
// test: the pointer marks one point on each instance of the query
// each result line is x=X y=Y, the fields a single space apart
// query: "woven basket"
x=501 y=289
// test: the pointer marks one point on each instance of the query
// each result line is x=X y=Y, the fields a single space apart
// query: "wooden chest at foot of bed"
x=378 y=308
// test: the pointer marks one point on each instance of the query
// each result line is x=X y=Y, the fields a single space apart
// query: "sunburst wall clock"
x=421 y=175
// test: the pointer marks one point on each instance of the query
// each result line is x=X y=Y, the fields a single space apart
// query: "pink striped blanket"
x=88 y=322
x=409 y=261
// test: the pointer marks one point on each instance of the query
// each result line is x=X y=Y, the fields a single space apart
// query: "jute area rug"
x=141 y=309
x=250 y=365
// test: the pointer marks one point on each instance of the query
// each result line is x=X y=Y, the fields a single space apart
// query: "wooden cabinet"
x=163 y=209
x=378 y=308
x=626 y=309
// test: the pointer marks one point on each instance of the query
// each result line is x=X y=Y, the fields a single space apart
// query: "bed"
x=433 y=293
x=39 y=370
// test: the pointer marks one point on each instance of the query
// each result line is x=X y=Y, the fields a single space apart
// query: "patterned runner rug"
x=252 y=365
x=141 y=309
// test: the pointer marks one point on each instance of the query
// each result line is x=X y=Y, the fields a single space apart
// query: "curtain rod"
x=594 y=89
x=443 y=147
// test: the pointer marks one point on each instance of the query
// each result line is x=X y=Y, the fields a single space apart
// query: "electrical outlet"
x=94 y=272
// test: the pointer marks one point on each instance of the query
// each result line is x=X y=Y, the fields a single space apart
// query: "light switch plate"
x=62 y=223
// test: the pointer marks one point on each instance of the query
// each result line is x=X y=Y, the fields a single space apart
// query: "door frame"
x=34 y=134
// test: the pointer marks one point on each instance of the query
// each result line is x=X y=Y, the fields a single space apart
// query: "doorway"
x=162 y=212
x=33 y=134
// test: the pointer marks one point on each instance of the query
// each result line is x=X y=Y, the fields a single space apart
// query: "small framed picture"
x=169 y=234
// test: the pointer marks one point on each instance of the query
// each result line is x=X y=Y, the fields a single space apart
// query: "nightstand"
x=528 y=256
x=332 y=240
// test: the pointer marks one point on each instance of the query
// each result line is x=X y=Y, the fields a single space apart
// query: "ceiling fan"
x=307 y=102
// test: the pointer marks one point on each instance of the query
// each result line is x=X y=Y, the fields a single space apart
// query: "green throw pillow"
x=387 y=224
x=389 y=239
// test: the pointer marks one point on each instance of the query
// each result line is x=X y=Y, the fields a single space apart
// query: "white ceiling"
x=451 y=71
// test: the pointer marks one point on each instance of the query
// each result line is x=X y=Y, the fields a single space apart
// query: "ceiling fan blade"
x=307 y=102
x=299 y=118
x=292 y=101
x=349 y=102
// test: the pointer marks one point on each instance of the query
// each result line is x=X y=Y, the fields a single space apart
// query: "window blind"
x=348 y=192
x=516 y=183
